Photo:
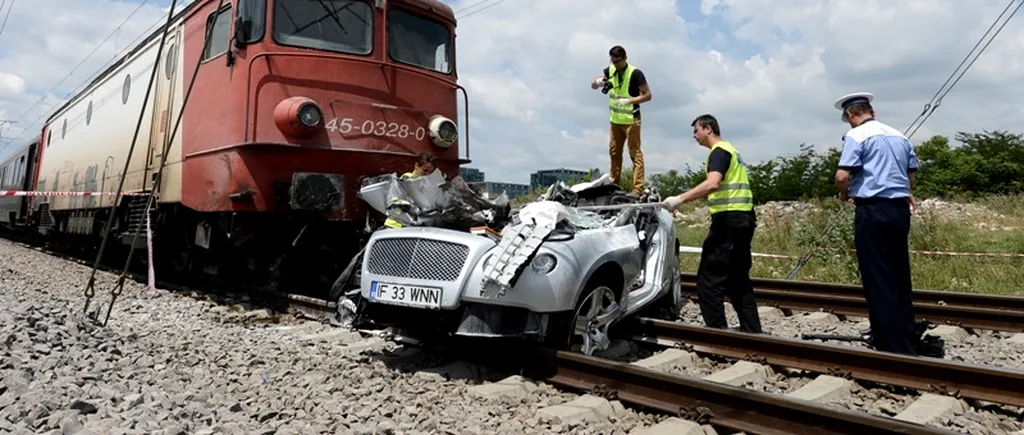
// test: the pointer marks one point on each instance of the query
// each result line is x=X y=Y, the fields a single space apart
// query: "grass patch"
x=990 y=224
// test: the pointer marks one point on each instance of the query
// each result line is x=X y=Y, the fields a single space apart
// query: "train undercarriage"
x=295 y=252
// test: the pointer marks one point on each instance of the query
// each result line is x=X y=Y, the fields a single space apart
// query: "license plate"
x=403 y=294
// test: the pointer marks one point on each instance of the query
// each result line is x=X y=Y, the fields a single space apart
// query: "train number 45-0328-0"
x=376 y=128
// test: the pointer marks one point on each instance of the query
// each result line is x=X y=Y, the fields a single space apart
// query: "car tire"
x=562 y=335
x=670 y=305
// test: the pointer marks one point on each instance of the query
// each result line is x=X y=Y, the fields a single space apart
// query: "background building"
x=471 y=175
x=547 y=177
x=493 y=189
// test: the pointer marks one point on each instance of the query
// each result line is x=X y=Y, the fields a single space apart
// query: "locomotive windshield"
x=418 y=41
x=344 y=26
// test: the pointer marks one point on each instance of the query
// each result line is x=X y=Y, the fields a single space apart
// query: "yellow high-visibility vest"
x=620 y=113
x=733 y=193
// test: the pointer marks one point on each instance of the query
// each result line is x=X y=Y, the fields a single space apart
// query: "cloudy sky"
x=769 y=70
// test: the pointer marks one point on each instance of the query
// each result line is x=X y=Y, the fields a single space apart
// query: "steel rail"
x=721 y=405
x=996 y=312
x=974 y=381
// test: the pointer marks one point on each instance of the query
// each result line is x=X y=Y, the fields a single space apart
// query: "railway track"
x=972 y=381
x=995 y=312
x=726 y=407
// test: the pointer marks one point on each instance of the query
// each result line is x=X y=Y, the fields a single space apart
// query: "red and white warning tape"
x=697 y=250
x=42 y=193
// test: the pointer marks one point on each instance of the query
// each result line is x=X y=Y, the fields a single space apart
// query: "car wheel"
x=589 y=324
x=670 y=305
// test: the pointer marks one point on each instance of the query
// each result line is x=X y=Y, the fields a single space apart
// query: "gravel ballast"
x=177 y=363
x=168 y=363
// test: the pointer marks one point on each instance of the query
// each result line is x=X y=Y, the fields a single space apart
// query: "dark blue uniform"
x=880 y=159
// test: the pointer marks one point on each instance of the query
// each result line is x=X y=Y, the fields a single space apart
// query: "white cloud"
x=768 y=70
x=11 y=85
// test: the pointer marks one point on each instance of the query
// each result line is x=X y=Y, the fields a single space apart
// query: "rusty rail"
x=722 y=406
x=973 y=381
x=996 y=312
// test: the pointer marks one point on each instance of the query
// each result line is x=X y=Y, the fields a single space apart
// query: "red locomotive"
x=294 y=104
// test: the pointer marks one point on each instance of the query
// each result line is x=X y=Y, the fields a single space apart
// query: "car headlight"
x=543 y=264
x=309 y=115
x=443 y=131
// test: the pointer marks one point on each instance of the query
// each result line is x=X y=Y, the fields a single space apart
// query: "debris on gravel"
x=177 y=363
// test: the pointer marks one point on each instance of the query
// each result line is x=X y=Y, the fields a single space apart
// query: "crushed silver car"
x=555 y=272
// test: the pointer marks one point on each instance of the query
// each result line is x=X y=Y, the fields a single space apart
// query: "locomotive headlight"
x=443 y=131
x=309 y=115
x=298 y=117
x=543 y=264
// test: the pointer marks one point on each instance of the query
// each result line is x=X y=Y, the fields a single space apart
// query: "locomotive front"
x=328 y=93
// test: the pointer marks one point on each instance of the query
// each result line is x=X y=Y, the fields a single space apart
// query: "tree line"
x=981 y=164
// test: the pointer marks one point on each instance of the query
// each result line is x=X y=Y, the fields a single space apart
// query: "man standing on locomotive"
x=725 y=258
x=877 y=170
x=424 y=166
x=627 y=88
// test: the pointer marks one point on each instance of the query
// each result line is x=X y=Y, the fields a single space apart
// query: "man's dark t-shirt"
x=636 y=80
x=719 y=161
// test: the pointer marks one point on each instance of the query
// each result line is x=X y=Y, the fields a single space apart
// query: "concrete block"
x=373 y=343
x=948 y=332
x=585 y=409
x=740 y=373
x=1017 y=338
x=930 y=407
x=770 y=313
x=336 y=334
x=512 y=386
x=819 y=317
x=671 y=426
x=455 y=370
x=667 y=359
x=822 y=388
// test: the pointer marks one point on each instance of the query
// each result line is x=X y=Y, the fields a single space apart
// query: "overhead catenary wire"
x=484 y=8
x=6 y=17
x=929 y=109
x=90 y=287
x=80 y=63
x=158 y=180
x=938 y=102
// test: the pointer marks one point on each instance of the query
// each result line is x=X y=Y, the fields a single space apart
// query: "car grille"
x=416 y=258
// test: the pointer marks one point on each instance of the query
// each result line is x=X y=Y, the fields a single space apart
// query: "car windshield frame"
x=402 y=24
x=291 y=17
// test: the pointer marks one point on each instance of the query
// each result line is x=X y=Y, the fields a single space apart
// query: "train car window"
x=170 y=61
x=125 y=89
x=64 y=129
x=344 y=26
x=219 y=37
x=418 y=41
x=88 y=114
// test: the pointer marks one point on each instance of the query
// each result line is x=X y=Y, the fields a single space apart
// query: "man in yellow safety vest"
x=627 y=88
x=725 y=261
x=424 y=166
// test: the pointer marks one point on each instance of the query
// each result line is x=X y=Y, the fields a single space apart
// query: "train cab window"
x=344 y=26
x=418 y=41
x=219 y=38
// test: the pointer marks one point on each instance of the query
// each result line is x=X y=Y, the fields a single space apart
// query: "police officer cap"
x=849 y=99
